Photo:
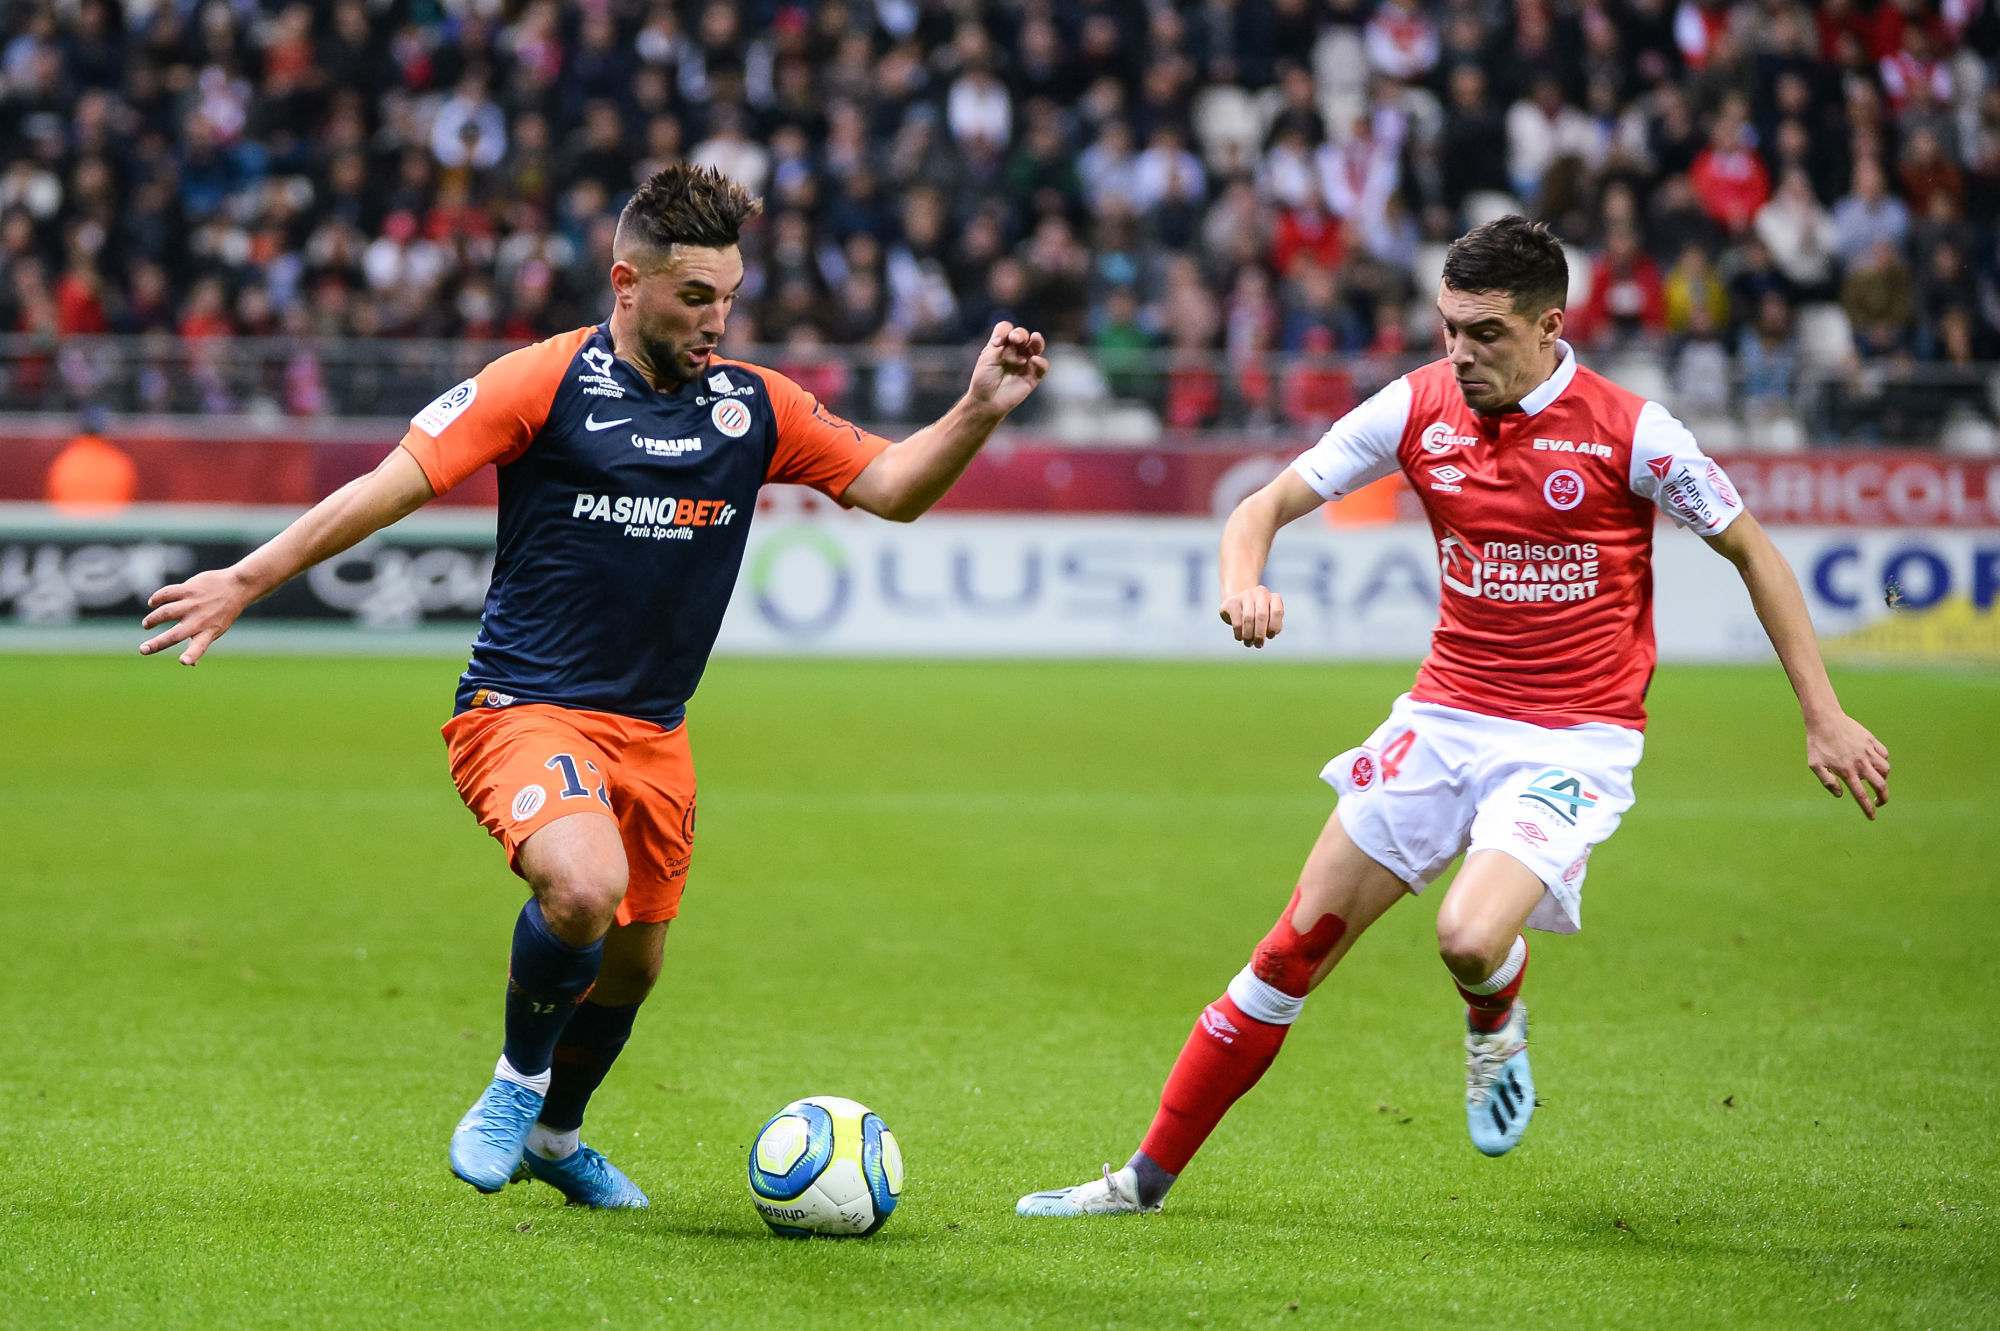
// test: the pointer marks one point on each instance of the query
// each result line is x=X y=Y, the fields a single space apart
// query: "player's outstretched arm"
x=202 y=608
x=906 y=478
x=1252 y=610
x=1839 y=750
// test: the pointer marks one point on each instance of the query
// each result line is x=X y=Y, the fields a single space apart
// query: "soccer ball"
x=824 y=1165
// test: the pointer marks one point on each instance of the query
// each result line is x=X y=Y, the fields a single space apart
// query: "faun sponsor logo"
x=1438 y=438
x=666 y=448
x=661 y=517
x=1573 y=446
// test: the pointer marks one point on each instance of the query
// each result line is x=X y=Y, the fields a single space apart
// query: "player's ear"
x=624 y=281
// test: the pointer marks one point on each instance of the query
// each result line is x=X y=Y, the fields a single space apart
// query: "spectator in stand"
x=1627 y=300
x=1540 y=129
x=1767 y=358
x=1694 y=296
x=1877 y=299
x=1400 y=41
x=1801 y=236
x=1927 y=173
x=1728 y=176
x=1473 y=153
x=1869 y=215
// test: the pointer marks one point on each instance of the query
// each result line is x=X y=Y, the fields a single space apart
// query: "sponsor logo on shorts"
x=1438 y=438
x=1530 y=832
x=1575 y=870
x=448 y=407
x=1563 y=489
x=493 y=698
x=731 y=417
x=687 y=824
x=1362 y=774
x=529 y=802
x=1561 y=793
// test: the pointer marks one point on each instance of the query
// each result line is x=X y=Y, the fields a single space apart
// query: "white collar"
x=1552 y=387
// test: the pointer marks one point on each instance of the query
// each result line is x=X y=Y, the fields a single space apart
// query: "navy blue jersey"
x=623 y=514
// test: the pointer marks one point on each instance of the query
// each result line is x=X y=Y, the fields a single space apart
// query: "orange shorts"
x=520 y=768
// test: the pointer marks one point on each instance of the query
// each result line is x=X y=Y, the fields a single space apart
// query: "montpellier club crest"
x=731 y=417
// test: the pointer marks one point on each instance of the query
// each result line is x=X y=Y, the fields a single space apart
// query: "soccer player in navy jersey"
x=630 y=456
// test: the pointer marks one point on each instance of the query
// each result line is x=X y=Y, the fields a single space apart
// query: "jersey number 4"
x=1395 y=752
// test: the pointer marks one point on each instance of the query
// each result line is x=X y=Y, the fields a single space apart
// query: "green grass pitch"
x=259 y=947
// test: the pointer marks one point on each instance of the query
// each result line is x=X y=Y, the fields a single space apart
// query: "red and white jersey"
x=1544 y=522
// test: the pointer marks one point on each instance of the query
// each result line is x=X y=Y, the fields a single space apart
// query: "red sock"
x=1224 y=1056
x=1488 y=1011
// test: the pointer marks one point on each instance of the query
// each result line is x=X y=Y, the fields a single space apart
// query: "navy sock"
x=590 y=1044
x=546 y=979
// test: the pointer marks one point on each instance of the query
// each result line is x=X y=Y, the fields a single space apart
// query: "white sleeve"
x=1361 y=446
x=1669 y=468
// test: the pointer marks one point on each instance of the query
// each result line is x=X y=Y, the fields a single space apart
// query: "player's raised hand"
x=1256 y=614
x=1010 y=365
x=200 y=609
x=1841 y=754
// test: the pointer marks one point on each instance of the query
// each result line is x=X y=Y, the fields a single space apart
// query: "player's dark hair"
x=1514 y=255
x=686 y=205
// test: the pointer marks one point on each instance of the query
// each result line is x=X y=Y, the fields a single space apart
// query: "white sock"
x=549 y=1144
x=1517 y=957
x=539 y=1083
x=1263 y=1001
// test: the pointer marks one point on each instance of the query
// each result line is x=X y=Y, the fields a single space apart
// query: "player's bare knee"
x=581 y=897
x=1470 y=950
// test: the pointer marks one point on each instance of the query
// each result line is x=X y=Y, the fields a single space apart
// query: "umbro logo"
x=1219 y=1026
x=1447 y=478
x=593 y=424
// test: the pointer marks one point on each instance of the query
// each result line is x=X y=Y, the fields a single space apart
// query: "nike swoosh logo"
x=593 y=424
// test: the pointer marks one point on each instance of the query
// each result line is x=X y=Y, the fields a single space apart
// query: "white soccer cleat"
x=1499 y=1089
x=1117 y=1193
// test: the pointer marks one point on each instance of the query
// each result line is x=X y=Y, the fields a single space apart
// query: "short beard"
x=666 y=362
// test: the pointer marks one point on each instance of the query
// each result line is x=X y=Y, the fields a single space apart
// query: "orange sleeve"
x=815 y=447
x=493 y=416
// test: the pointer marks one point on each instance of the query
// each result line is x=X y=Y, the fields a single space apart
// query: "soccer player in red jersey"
x=630 y=457
x=1517 y=743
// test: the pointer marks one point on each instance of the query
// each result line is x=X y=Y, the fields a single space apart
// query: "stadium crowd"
x=1225 y=178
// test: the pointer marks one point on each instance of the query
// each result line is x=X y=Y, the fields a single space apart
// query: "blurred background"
x=241 y=243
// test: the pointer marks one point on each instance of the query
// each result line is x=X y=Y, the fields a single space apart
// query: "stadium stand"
x=1781 y=218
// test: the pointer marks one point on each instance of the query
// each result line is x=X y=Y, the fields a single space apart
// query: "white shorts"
x=1435 y=781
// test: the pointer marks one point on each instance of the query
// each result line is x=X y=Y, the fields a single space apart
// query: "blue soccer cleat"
x=487 y=1146
x=1499 y=1089
x=586 y=1178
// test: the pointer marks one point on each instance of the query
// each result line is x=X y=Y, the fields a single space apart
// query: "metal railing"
x=1093 y=396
